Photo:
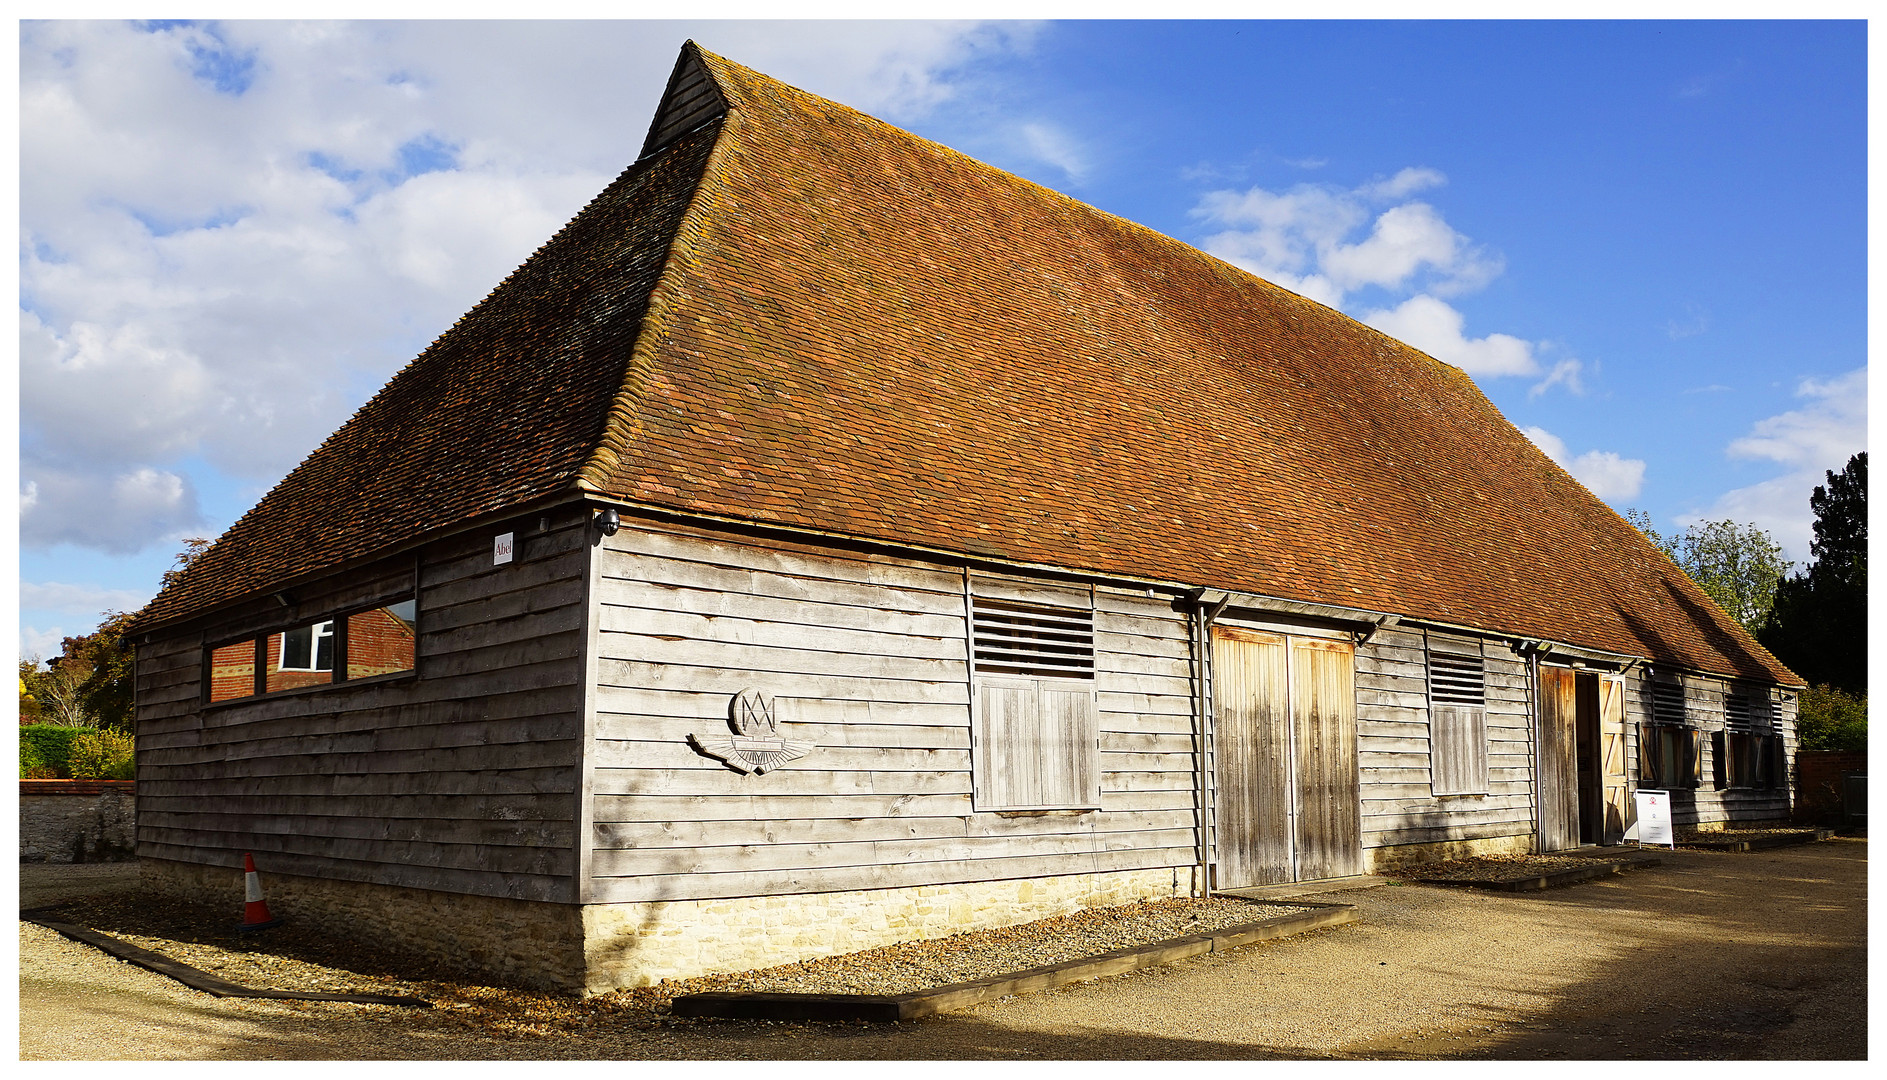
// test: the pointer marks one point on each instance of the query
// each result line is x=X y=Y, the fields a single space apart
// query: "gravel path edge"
x=197 y=979
x=888 y=1008
x=1544 y=881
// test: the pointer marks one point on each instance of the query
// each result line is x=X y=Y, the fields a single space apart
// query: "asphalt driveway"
x=1710 y=956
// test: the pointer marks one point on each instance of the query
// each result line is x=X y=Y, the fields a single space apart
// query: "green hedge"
x=56 y=752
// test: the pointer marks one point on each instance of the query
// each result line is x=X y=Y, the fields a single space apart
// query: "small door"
x=1616 y=801
x=1559 y=759
x=1285 y=759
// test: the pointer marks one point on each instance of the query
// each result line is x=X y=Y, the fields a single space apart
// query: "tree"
x=1819 y=624
x=1738 y=566
x=56 y=691
x=107 y=660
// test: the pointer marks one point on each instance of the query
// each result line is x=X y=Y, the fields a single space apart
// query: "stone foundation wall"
x=1402 y=856
x=512 y=942
x=642 y=944
x=78 y=821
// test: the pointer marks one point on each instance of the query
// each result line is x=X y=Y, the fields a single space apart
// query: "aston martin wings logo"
x=755 y=745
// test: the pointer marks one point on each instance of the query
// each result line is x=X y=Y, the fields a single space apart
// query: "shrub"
x=103 y=755
x=1828 y=719
x=53 y=745
x=32 y=766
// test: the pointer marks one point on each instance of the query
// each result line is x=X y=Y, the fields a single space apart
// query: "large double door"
x=1285 y=758
x=1582 y=786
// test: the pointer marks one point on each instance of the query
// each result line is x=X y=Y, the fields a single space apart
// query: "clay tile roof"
x=864 y=333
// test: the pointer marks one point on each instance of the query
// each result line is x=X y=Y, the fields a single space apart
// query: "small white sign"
x=501 y=548
x=1654 y=817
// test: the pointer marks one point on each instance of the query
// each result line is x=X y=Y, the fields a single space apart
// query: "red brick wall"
x=378 y=644
x=1818 y=783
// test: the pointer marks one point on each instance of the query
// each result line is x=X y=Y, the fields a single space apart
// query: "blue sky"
x=1646 y=240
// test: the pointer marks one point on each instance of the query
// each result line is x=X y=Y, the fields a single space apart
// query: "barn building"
x=828 y=539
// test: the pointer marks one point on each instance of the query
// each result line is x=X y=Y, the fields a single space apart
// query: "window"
x=360 y=645
x=1457 y=710
x=1670 y=752
x=1748 y=752
x=1035 y=739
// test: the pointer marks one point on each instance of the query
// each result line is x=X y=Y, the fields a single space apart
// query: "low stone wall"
x=78 y=821
x=602 y=947
x=512 y=942
x=642 y=944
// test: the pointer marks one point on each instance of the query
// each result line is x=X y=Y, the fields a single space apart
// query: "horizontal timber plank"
x=560 y=889
x=778 y=882
x=625 y=608
x=540 y=859
x=639 y=624
x=523 y=807
x=617 y=862
x=733 y=832
x=640 y=675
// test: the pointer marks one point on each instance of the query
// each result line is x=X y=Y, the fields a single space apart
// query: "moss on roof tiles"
x=864 y=333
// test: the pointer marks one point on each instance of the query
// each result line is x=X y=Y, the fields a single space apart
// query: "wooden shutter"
x=1650 y=763
x=1458 y=750
x=1720 y=754
x=1691 y=744
x=1071 y=738
x=1036 y=745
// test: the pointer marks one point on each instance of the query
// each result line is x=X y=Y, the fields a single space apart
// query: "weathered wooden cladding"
x=1706 y=804
x=1394 y=752
x=461 y=777
x=866 y=656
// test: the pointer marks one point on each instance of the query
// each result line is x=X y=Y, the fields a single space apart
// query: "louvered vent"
x=1015 y=638
x=1457 y=680
x=1667 y=702
x=1746 y=709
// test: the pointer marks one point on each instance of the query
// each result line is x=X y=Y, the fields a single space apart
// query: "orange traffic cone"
x=255 y=910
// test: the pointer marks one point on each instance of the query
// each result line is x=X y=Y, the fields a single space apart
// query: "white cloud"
x=231 y=233
x=37 y=644
x=88 y=600
x=1050 y=144
x=1604 y=473
x=1403 y=184
x=1811 y=441
x=1565 y=373
x=1436 y=328
x=119 y=513
x=1301 y=238
x=1821 y=435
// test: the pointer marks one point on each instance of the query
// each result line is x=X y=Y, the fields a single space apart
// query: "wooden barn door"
x=1253 y=753
x=1285 y=764
x=1559 y=759
x=1323 y=712
x=1616 y=801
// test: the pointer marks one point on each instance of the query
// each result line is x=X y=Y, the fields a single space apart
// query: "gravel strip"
x=924 y=965
x=1693 y=836
x=1499 y=867
x=291 y=957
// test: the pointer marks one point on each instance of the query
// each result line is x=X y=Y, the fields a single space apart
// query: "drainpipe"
x=1201 y=620
x=1531 y=649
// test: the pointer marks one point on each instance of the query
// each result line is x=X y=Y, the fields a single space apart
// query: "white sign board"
x=501 y=549
x=1654 y=817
